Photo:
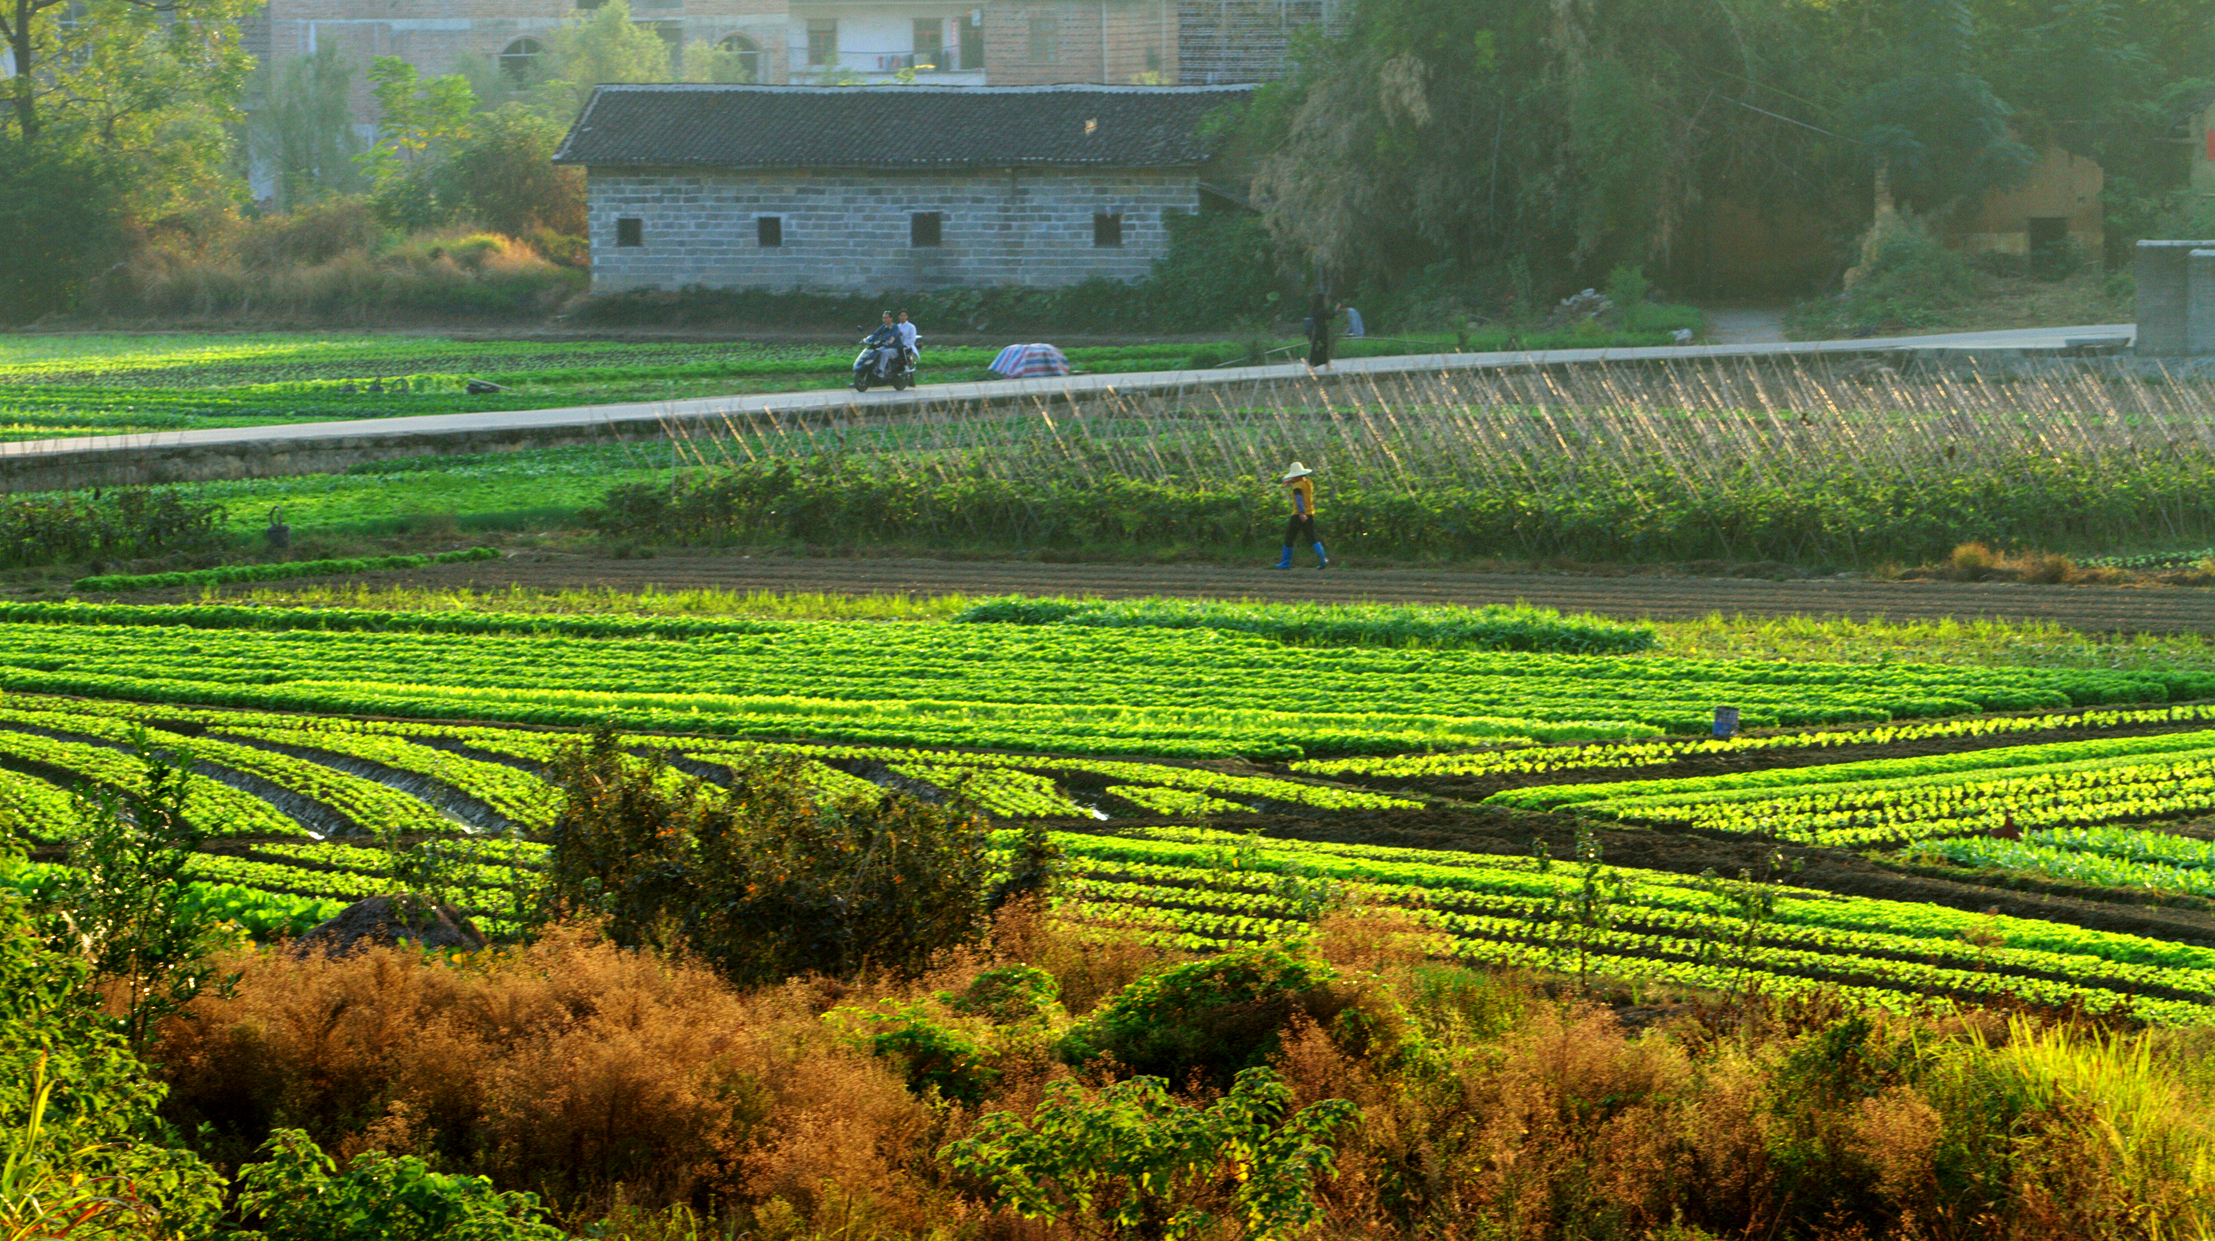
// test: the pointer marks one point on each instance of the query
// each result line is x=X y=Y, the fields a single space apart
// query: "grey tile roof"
x=893 y=127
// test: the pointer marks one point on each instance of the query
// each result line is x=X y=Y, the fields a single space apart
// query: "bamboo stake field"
x=1641 y=441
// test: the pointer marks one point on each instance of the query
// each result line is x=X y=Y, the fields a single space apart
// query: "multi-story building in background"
x=980 y=43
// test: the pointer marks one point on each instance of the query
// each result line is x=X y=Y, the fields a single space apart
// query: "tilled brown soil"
x=2150 y=609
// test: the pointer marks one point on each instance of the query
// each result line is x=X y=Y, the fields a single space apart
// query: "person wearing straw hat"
x=1301 y=529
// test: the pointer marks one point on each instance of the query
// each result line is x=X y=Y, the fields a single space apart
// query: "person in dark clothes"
x=1301 y=529
x=1318 y=333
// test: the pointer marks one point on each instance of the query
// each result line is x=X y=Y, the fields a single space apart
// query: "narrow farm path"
x=2099 y=608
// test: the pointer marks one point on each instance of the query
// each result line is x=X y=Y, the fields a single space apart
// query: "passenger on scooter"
x=886 y=341
x=908 y=336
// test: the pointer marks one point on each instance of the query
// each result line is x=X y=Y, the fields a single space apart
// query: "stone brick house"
x=863 y=189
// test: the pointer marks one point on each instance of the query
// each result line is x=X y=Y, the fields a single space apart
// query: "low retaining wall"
x=333 y=447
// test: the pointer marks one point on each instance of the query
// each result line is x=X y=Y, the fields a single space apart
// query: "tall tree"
x=599 y=47
x=1576 y=134
x=121 y=69
x=306 y=133
x=1942 y=132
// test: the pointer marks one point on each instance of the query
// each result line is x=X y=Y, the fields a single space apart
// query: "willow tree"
x=1573 y=134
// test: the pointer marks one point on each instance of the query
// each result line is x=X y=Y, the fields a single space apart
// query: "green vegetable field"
x=1190 y=775
x=1074 y=689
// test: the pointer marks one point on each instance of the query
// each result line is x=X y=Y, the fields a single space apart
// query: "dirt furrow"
x=2151 y=609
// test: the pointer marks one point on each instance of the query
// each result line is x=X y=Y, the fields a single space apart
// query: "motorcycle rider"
x=886 y=341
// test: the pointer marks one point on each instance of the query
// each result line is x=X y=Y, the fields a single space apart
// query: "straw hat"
x=1297 y=471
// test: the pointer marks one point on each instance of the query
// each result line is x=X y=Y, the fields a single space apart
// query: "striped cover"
x=1030 y=361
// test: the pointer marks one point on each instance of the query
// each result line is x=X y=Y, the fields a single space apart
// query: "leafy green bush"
x=1216 y=1016
x=1137 y=1162
x=1914 y=282
x=298 y=1193
x=121 y=900
x=62 y=219
x=759 y=879
x=1009 y=995
x=75 y=1102
x=935 y=1055
x=132 y=521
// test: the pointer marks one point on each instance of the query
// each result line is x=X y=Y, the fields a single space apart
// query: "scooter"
x=865 y=369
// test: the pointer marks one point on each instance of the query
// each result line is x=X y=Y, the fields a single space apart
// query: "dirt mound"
x=383 y=921
x=1630 y=592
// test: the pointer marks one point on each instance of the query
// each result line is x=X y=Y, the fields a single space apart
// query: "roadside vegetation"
x=1916 y=285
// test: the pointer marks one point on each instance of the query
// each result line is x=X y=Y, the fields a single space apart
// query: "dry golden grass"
x=647 y=1091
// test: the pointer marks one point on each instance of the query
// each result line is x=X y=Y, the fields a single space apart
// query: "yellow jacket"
x=1303 y=495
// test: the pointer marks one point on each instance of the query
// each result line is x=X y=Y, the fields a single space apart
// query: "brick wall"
x=1108 y=41
x=850 y=231
x=1223 y=41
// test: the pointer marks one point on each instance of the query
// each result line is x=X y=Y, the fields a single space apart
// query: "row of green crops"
x=1206 y=889
x=1887 y=801
x=1198 y=693
x=1539 y=760
x=277 y=570
x=1308 y=624
x=273 y=777
x=2057 y=855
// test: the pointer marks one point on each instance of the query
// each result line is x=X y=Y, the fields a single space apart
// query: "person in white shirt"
x=908 y=337
x=1353 y=321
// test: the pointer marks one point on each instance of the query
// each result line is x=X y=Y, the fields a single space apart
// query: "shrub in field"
x=961 y=1044
x=298 y=1193
x=1086 y=969
x=1914 y=282
x=121 y=904
x=1215 y=1016
x=569 y=1067
x=133 y=521
x=760 y=879
x=1136 y=1161
x=337 y=262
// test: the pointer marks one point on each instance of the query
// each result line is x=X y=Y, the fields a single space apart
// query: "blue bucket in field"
x=1726 y=723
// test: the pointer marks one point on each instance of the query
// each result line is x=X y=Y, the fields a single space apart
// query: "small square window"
x=769 y=230
x=630 y=232
x=1044 y=45
x=926 y=228
x=1107 y=228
